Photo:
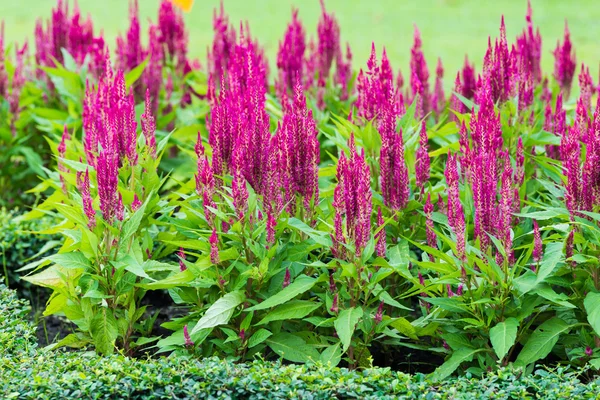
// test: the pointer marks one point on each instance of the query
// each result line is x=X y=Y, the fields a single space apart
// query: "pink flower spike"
x=88 y=208
x=287 y=278
x=380 y=246
x=181 y=254
x=186 y=337
x=537 y=243
x=334 y=306
x=589 y=351
x=214 y=249
x=379 y=313
x=136 y=204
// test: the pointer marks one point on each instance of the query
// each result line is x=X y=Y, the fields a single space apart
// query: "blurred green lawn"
x=449 y=28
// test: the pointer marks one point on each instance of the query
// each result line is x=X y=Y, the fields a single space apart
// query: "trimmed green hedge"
x=28 y=372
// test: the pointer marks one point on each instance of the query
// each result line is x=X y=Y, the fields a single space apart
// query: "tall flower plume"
x=352 y=200
x=392 y=167
x=419 y=75
x=564 y=63
x=422 y=161
x=290 y=56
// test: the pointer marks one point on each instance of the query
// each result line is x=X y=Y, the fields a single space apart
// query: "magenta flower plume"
x=586 y=87
x=290 y=57
x=456 y=217
x=565 y=63
x=173 y=35
x=537 y=243
x=589 y=351
x=129 y=50
x=469 y=83
x=334 y=306
x=181 y=254
x=497 y=69
x=287 y=278
x=214 y=249
x=186 y=337
x=419 y=73
x=88 y=207
x=456 y=103
x=529 y=48
x=136 y=204
x=352 y=200
x=380 y=237
x=299 y=154
x=107 y=172
x=343 y=72
x=205 y=182
x=149 y=126
x=392 y=167
x=438 y=99
x=120 y=209
x=375 y=87
x=223 y=44
x=71 y=33
x=422 y=162
x=379 y=314
x=328 y=44
x=428 y=210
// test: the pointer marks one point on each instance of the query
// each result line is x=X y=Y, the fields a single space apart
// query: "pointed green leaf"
x=300 y=285
x=292 y=348
x=221 y=311
x=592 y=307
x=258 y=337
x=291 y=310
x=331 y=356
x=457 y=358
x=542 y=341
x=345 y=324
x=104 y=331
x=503 y=336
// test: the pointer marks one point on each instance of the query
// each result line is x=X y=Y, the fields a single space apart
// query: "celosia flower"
x=332 y=286
x=375 y=87
x=419 y=76
x=136 y=204
x=428 y=210
x=120 y=210
x=469 y=83
x=422 y=161
x=392 y=167
x=129 y=49
x=88 y=207
x=588 y=351
x=290 y=57
x=328 y=43
x=380 y=237
x=352 y=198
x=537 y=243
x=214 y=249
x=450 y=292
x=564 y=63
x=149 y=126
x=187 y=338
x=459 y=289
x=529 y=48
x=181 y=254
x=379 y=314
x=343 y=72
x=334 y=306
x=242 y=334
x=223 y=44
x=438 y=99
x=173 y=35
x=456 y=217
x=107 y=172
x=287 y=278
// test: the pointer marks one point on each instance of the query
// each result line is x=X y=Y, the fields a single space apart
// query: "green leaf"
x=178 y=279
x=331 y=356
x=258 y=337
x=133 y=223
x=104 y=331
x=132 y=76
x=345 y=324
x=300 y=285
x=221 y=311
x=292 y=348
x=503 y=336
x=457 y=358
x=317 y=236
x=592 y=307
x=404 y=327
x=542 y=341
x=292 y=310
x=552 y=256
x=70 y=260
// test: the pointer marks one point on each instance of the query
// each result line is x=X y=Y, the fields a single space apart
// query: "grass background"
x=449 y=28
